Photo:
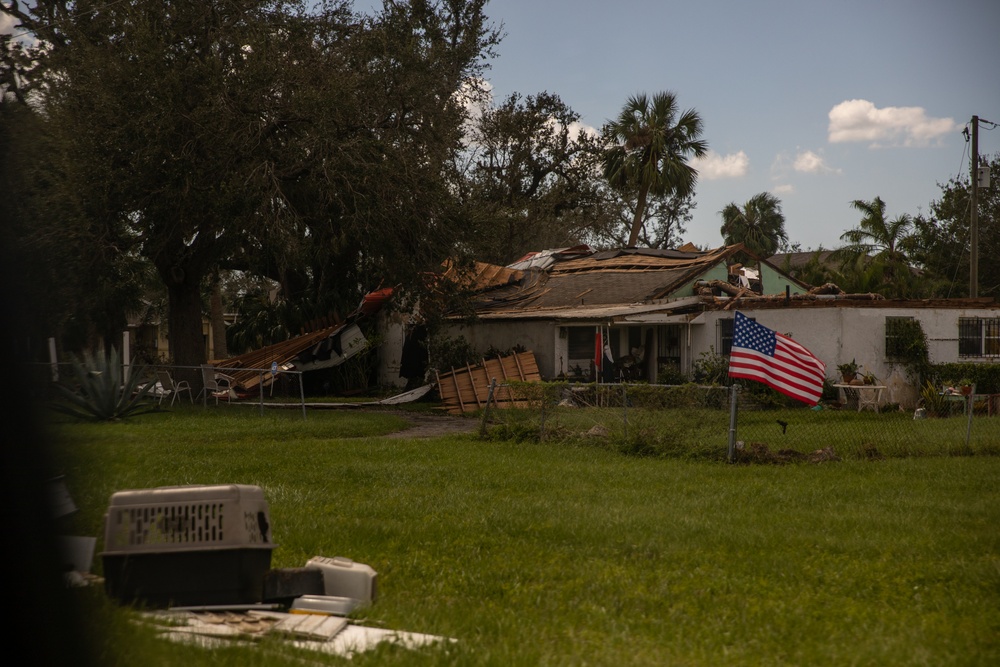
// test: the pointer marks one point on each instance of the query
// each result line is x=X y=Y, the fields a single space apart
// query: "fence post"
x=53 y=360
x=541 y=428
x=126 y=356
x=260 y=388
x=302 y=396
x=733 y=391
x=625 y=409
x=970 y=403
x=486 y=411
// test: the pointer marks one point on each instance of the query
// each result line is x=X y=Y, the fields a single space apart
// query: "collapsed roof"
x=579 y=282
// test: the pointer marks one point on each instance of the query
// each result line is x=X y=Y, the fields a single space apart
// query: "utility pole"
x=974 y=219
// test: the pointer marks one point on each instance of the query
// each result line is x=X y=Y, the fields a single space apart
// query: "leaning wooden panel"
x=465 y=390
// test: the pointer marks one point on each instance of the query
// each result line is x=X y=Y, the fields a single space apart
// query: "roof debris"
x=468 y=389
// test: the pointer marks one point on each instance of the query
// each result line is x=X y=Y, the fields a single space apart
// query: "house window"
x=725 y=330
x=896 y=329
x=669 y=343
x=979 y=337
x=725 y=336
x=581 y=342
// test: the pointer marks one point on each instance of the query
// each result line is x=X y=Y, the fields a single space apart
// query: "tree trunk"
x=640 y=208
x=219 y=349
x=187 y=342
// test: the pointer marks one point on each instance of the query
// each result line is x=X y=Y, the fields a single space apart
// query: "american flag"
x=778 y=361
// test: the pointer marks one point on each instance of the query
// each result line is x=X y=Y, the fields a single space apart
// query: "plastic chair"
x=171 y=388
x=214 y=383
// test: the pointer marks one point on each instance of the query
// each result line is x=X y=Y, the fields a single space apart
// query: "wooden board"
x=280 y=353
x=467 y=389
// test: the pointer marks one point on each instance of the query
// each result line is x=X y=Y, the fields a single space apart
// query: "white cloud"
x=575 y=129
x=713 y=166
x=803 y=162
x=811 y=163
x=860 y=120
x=783 y=189
x=7 y=24
x=476 y=95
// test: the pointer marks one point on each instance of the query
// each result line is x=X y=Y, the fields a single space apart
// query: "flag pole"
x=733 y=388
x=733 y=391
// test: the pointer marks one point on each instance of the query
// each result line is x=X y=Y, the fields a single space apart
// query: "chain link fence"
x=694 y=421
x=42 y=379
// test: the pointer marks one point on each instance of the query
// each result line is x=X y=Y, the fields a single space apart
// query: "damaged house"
x=647 y=308
x=643 y=305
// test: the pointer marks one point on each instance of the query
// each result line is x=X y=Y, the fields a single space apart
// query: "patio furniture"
x=214 y=383
x=168 y=387
x=868 y=395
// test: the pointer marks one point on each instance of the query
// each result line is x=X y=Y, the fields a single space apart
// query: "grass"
x=697 y=432
x=568 y=553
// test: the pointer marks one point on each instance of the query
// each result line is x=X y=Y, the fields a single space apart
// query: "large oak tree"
x=304 y=142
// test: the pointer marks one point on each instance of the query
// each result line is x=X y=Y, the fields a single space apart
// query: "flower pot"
x=849 y=377
x=966 y=389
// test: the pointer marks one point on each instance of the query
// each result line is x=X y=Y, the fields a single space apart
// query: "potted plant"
x=848 y=371
x=965 y=386
x=870 y=378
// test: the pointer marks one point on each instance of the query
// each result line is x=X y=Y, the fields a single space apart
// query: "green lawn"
x=560 y=553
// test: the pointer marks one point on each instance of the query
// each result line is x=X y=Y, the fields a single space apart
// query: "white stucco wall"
x=539 y=337
x=839 y=334
x=391 y=328
x=835 y=334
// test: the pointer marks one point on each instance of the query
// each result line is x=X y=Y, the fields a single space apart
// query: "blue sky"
x=902 y=78
x=818 y=102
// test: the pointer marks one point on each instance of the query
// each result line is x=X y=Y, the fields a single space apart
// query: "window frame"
x=979 y=337
x=725 y=330
x=580 y=339
x=892 y=352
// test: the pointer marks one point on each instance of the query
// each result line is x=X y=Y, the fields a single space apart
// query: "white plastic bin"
x=342 y=577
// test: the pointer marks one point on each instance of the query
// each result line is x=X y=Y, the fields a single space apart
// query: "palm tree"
x=877 y=237
x=759 y=225
x=878 y=246
x=650 y=146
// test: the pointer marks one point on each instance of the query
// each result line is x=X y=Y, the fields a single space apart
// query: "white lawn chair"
x=170 y=388
x=214 y=383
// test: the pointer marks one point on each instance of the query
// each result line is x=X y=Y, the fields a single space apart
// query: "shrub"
x=711 y=368
x=670 y=373
x=447 y=353
x=932 y=401
x=101 y=393
x=986 y=377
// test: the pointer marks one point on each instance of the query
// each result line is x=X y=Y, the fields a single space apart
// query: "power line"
x=965 y=148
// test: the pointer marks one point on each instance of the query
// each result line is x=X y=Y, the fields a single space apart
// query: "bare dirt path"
x=425 y=425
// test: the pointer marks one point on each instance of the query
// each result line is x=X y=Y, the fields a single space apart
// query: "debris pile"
x=201 y=554
x=758 y=452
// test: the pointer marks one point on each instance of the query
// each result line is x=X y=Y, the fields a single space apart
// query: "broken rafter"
x=247 y=370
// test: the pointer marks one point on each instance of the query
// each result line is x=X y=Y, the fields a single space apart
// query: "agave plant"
x=101 y=393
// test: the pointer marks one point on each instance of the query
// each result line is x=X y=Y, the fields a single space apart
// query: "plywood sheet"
x=468 y=389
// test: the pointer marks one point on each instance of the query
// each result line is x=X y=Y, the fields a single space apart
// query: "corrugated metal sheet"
x=480 y=276
x=545 y=259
